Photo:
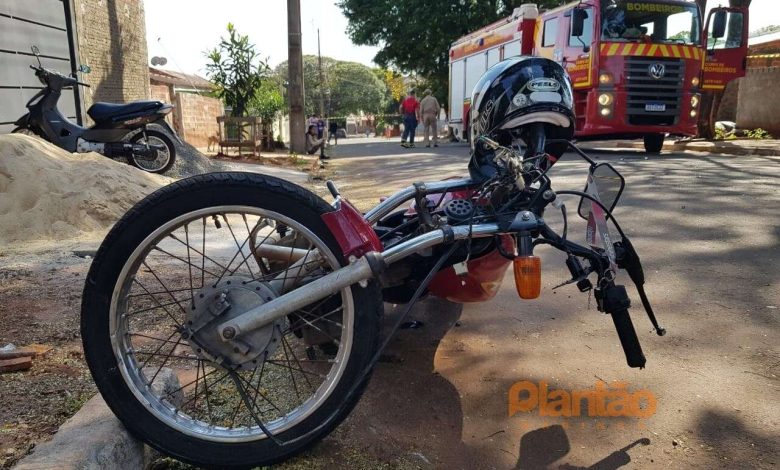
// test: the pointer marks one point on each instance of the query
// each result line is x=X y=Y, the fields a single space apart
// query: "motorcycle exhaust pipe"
x=365 y=268
x=279 y=253
x=118 y=149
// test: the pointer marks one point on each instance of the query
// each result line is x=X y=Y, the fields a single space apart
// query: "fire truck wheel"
x=654 y=143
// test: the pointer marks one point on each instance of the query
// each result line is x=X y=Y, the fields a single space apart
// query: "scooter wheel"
x=164 y=159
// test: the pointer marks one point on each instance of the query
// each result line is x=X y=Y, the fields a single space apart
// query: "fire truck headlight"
x=606 y=112
x=605 y=99
x=693 y=113
x=605 y=78
x=694 y=101
x=695 y=81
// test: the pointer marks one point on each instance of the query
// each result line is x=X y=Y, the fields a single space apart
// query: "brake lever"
x=628 y=260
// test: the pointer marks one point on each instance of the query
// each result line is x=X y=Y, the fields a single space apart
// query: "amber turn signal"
x=528 y=276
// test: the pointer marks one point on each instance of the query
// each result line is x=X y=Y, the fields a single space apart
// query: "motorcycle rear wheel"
x=164 y=160
x=125 y=329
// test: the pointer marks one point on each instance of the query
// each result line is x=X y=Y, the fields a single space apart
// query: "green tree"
x=415 y=36
x=348 y=88
x=237 y=70
x=266 y=103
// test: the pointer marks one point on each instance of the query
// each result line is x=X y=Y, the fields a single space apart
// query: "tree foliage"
x=268 y=100
x=415 y=36
x=347 y=88
x=237 y=70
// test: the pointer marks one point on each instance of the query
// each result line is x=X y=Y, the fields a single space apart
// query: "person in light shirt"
x=429 y=109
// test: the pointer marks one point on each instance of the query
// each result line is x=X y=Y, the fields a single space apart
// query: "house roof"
x=169 y=77
x=764 y=38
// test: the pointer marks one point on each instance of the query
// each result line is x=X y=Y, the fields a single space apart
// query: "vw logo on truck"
x=657 y=70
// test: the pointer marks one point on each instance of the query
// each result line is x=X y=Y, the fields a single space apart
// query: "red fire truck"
x=637 y=67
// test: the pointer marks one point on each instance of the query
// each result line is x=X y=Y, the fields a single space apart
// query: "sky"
x=181 y=30
x=199 y=24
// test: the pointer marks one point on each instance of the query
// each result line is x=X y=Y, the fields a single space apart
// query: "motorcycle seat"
x=105 y=111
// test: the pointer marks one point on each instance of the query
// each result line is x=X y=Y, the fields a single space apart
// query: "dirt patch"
x=41 y=295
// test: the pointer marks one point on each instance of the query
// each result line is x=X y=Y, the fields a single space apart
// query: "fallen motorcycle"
x=233 y=319
x=120 y=130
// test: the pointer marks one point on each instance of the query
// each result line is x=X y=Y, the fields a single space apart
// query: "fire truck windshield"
x=650 y=21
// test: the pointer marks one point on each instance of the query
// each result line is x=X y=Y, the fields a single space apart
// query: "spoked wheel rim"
x=160 y=298
x=153 y=164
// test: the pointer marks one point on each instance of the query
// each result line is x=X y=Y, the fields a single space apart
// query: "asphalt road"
x=708 y=230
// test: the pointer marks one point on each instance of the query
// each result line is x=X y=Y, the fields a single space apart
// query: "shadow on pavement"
x=542 y=447
x=408 y=405
x=359 y=147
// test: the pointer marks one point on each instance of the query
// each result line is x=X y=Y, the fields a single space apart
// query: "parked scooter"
x=120 y=130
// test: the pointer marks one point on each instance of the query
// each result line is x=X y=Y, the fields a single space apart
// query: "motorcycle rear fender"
x=353 y=234
x=164 y=124
x=479 y=283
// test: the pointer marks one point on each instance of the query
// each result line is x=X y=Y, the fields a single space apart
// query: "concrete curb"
x=727 y=147
x=95 y=439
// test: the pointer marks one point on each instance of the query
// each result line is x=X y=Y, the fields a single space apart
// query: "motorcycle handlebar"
x=628 y=339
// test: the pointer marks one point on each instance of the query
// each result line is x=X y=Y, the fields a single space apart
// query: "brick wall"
x=164 y=93
x=160 y=93
x=111 y=36
x=757 y=104
x=197 y=116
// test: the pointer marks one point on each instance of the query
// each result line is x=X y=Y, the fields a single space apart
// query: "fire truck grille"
x=654 y=100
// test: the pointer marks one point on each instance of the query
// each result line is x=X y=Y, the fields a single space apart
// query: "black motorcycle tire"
x=174 y=200
x=131 y=159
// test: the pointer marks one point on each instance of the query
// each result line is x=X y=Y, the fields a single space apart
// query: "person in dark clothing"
x=320 y=127
x=333 y=129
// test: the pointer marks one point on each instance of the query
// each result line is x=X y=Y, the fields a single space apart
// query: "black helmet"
x=510 y=96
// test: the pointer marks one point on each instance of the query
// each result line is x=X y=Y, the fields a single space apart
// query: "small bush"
x=758 y=134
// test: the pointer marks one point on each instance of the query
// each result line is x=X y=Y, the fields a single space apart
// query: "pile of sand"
x=47 y=193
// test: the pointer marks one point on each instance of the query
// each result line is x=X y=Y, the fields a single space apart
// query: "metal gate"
x=46 y=24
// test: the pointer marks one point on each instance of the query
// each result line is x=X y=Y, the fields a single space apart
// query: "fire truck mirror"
x=578 y=17
x=719 y=24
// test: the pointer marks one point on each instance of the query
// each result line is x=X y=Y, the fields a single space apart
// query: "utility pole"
x=322 y=85
x=295 y=78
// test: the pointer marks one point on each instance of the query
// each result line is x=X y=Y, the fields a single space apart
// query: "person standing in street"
x=333 y=129
x=410 y=110
x=429 y=109
x=320 y=127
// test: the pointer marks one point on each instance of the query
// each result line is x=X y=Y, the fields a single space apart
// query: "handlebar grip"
x=84 y=84
x=628 y=339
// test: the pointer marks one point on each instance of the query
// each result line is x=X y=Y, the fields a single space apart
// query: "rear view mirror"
x=578 y=17
x=35 y=50
x=604 y=183
x=719 y=24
